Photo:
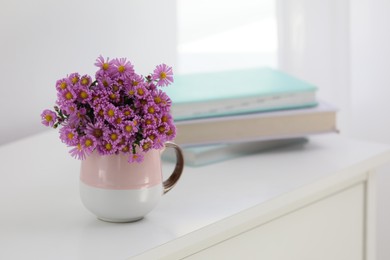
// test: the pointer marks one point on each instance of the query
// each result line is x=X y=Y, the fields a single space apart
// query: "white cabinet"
x=331 y=228
x=312 y=201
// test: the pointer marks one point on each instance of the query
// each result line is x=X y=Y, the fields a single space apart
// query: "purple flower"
x=140 y=91
x=97 y=129
x=104 y=65
x=121 y=67
x=78 y=152
x=88 y=143
x=110 y=112
x=117 y=112
x=69 y=135
x=113 y=136
x=85 y=81
x=74 y=78
x=161 y=99
x=62 y=84
x=145 y=145
x=129 y=128
x=136 y=157
x=66 y=97
x=163 y=74
x=106 y=147
x=49 y=117
x=84 y=94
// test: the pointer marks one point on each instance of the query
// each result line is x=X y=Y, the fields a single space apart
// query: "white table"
x=307 y=202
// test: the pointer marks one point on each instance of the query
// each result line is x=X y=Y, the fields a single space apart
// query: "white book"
x=257 y=126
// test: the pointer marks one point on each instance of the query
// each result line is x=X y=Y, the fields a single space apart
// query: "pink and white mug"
x=117 y=191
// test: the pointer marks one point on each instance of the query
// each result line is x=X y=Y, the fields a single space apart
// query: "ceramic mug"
x=117 y=191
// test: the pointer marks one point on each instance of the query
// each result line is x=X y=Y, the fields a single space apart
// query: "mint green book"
x=233 y=92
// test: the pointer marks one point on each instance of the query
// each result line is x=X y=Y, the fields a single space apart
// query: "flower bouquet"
x=117 y=112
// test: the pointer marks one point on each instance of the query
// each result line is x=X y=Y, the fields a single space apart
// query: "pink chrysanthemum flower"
x=104 y=65
x=66 y=96
x=140 y=91
x=161 y=99
x=88 y=143
x=117 y=112
x=69 y=136
x=63 y=84
x=136 y=157
x=78 y=152
x=97 y=129
x=106 y=147
x=84 y=94
x=85 y=81
x=146 y=145
x=74 y=78
x=121 y=67
x=49 y=117
x=127 y=112
x=113 y=136
x=163 y=74
x=148 y=122
x=110 y=113
x=129 y=128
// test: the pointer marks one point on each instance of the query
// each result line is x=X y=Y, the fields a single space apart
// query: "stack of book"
x=221 y=115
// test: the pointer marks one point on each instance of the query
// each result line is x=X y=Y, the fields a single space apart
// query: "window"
x=226 y=34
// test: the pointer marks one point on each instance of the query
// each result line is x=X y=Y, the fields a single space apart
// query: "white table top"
x=42 y=216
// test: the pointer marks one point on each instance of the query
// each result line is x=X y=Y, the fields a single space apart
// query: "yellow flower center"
x=112 y=96
x=164 y=119
x=83 y=94
x=163 y=75
x=75 y=79
x=110 y=113
x=161 y=129
x=125 y=149
x=157 y=100
x=84 y=81
x=121 y=68
x=118 y=120
x=128 y=128
x=140 y=92
x=108 y=146
x=113 y=136
x=88 y=142
x=70 y=136
x=68 y=96
x=97 y=132
x=152 y=137
x=48 y=118
x=105 y=66
x=63 y=85
x=146 y=146
x=151 y=110
x=115 y=88
x=127 y=113
x=135 y=83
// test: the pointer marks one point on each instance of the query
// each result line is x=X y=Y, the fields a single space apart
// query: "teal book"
x=203 y=95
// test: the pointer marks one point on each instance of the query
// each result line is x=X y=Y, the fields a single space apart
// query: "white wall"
x=343 y=46
x=43 y=40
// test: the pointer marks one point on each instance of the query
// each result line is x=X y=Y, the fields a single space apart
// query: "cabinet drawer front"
x=332 y=228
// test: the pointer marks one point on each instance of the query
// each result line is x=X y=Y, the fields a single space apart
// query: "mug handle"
x=175 y=176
